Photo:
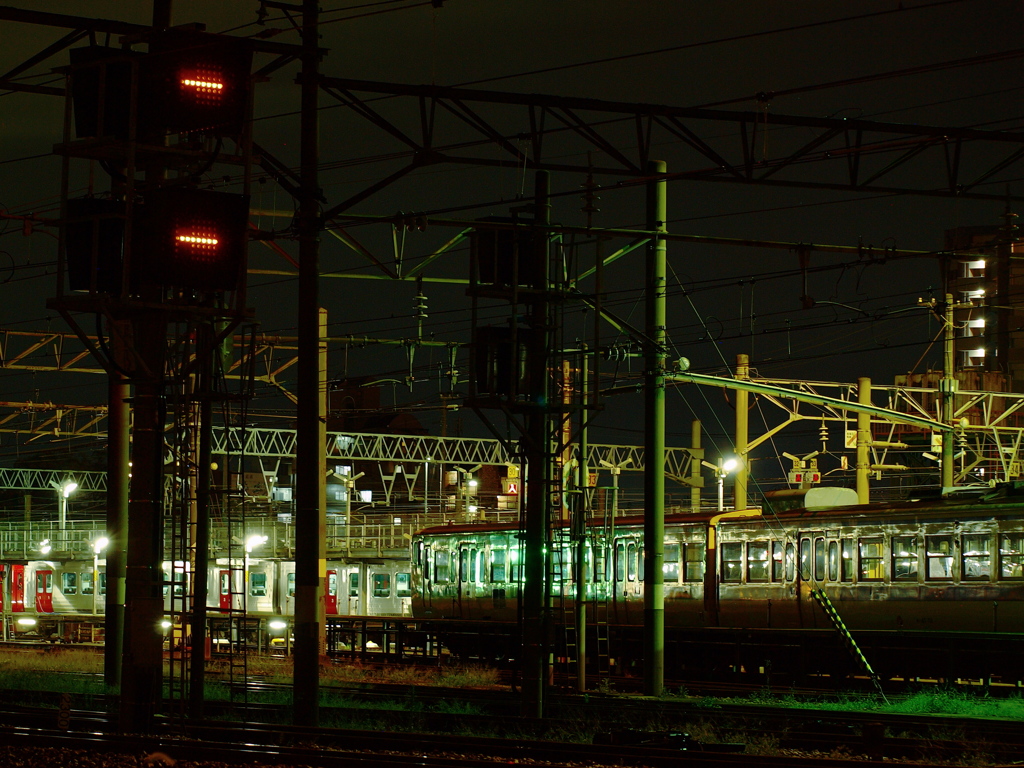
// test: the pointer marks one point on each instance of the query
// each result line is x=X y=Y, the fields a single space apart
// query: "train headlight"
x=26 y=622
x=278 y=625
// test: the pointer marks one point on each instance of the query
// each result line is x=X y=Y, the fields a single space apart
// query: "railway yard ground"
x=469 y=716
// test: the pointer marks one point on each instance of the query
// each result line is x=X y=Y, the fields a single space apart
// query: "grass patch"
x=941 y=701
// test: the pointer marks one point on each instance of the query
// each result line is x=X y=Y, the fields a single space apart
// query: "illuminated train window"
x=757 y=561
x=938 y=551
x=819 y=559
x=871 y=560
x=69 y=583
x=833 y=560
x=631 y=564
x=1011 y=556
x=620 y=562
x=403 y=585
x=694 y=555
x=976 y=557
x=291 y=585
x=498 y=557
x=381 y=585
x=258 y=584
x=790 y=561
x=847 y=564
x=778 y=561
x=670 y=567
x=87 y=583
x=805 y=559
x=441 y=566
x=904 y=558
x=732 y=561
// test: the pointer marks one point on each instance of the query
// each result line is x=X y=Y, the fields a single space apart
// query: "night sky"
x=723 y=300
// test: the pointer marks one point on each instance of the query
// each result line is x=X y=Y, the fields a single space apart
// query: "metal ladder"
x=176 y=586
x=851 y=645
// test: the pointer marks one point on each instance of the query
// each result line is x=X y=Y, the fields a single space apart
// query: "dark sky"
x=491 y=44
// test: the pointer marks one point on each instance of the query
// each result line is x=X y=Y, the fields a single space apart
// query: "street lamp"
x=722 y=468
x=64 y=490
x=97 y=546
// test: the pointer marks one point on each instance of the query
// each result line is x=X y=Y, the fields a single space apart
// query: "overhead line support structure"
x=849 y=143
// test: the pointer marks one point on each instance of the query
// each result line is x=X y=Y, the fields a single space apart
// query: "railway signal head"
x=196 y=82
x=189 y=238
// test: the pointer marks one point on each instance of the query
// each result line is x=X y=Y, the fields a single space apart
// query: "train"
x=52 y=599
x=752 y=578
x=945 y=564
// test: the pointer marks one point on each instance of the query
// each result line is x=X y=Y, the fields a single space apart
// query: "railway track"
x=282 y=745
x=621 y=724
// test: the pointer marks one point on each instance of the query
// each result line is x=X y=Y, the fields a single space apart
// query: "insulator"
x=823 y=432
x=420 y=305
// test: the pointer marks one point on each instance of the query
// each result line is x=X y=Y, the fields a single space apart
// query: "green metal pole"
x=654 y=437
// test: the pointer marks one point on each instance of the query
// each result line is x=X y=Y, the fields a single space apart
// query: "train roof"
x=1003 y=500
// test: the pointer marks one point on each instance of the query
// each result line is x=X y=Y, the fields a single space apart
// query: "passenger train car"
x=944 y=564
x=49 y=598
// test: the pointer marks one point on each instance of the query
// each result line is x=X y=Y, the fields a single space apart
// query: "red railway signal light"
x=189 y=82
x=196 y=82
x=190 y=238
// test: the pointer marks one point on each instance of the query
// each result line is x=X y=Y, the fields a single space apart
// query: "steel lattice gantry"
x=48 y=479
x=464 y=126
x=280 y=443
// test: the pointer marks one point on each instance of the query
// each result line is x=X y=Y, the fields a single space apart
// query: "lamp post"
x=97 y=546
x=722 y=469
x=64 y=490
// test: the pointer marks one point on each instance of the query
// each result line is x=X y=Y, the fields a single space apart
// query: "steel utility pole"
x=739 y=488
x=654 y=436
x=863 y=467
x=539 y=468
x=310 y=568
x=947 y=388
x=142 y=662
x=118 y=456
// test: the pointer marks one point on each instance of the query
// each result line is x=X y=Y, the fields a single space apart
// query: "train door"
x=17 y=588
x=287 y=590
x=426 y=565
x=463 y=581
x=331 y=593
x=354 y=590
x=44 y=591
x=224 y=590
